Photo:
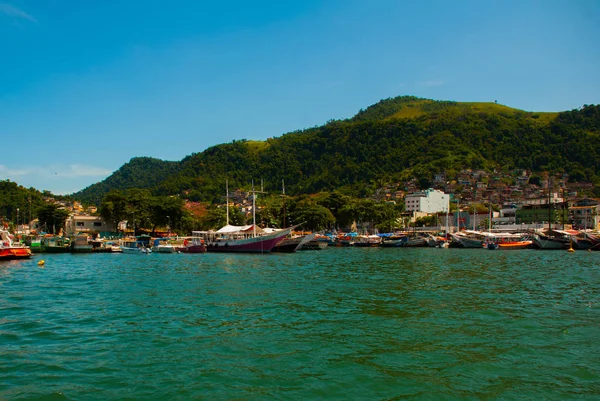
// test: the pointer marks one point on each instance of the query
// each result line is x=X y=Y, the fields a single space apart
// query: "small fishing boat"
x=394 y=240
x=134 y=246
x=34 y=242
x=55 y=244
x=518 y=244
x=367 y=240
x=192 y=245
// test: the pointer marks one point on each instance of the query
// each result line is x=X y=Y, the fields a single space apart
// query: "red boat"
x=192 y=245
x=10 y=250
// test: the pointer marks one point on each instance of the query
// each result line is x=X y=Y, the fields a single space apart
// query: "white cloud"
x=54 y=171
x=432 y=83
x=60 y=179
x=80 y=170
x=11 y=11
x=9 y=172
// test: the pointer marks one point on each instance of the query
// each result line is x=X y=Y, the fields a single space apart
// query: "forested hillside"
x=392 y=140
x=139 y=172
x=19 y=203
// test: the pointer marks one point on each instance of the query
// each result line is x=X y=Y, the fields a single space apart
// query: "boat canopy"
x=229 y=229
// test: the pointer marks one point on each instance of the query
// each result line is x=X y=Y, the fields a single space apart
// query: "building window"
x=79 y=224
x=97 y=224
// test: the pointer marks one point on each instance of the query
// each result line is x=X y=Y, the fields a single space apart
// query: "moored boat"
x=55 y=244
x=394 y=240
x=518 y=244
x=192 y=245
x=415 y=240
x=162 y=245
x=243 y=239
x=550 y=239
x=134 y=246
x=436 y=241
x=468 y=239
x=316 y=244
x=34 y=242
x=81 y=244
x=293 y=243
x=11 y=250
x=367 y=240
x=507 y=241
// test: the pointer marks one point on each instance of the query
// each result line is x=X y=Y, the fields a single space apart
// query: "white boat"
x=367 y=240
x=468 y=239
x=162 y=245
x=134 y=246
x=113 y=247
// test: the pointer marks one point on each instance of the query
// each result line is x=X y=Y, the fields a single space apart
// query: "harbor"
x=360 y=323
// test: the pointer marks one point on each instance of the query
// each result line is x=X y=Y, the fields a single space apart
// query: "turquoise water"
x=342 y=323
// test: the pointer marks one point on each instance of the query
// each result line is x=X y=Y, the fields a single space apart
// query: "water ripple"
x=335 y=324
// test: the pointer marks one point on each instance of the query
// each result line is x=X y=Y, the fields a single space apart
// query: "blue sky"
x=86 y=86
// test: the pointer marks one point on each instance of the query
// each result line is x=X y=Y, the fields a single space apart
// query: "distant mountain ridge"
x=391 y=140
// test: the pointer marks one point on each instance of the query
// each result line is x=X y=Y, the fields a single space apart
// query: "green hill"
x=139 y=172
x=394 y=139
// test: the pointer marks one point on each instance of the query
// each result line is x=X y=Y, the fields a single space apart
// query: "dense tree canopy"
x=19 y=203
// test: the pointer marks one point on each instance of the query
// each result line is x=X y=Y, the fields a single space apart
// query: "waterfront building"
x=84 y=224
x=428 y=201
x=584 y=213
x=556 y=213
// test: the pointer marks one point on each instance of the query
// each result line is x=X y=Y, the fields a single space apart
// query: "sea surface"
x=336 y=324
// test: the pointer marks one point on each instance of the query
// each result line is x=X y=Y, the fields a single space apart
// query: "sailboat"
x=550 y=239
x=491 y=242
x=242 y=239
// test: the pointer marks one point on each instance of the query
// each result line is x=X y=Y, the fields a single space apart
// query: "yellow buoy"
x=41 y=262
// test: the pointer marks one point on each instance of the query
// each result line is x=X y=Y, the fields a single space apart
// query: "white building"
x=84 y=224
x=428 y=201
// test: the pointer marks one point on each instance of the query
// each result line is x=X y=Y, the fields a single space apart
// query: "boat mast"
x=283 y=197
x=458 y=214
x=227 y=198
x=254 y=206
x=253 y=210
x=549 y=207
x=447 y=215
x=490 y=222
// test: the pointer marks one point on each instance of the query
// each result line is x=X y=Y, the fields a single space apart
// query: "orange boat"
x=9 y=250
x=515 y=244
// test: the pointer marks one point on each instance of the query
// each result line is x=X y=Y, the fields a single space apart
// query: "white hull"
x=164 y=249
x=126 y=249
